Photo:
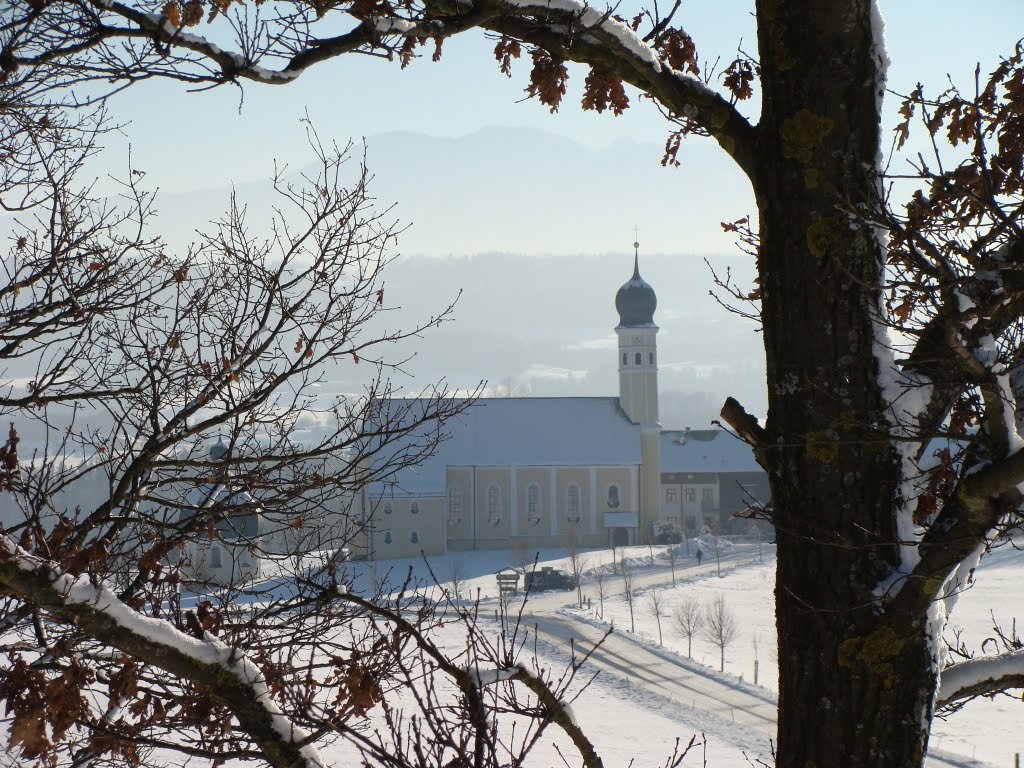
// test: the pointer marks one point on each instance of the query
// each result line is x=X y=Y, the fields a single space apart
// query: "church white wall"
x=650 y=477
x=578 y=478
x=460 y=526
x=638 y=372
x=491 y=532
x=221 y=562
x=406 y=526
x=696 y=502
x=537 y=530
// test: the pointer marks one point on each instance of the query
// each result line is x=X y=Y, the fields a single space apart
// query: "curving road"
x=662 y=672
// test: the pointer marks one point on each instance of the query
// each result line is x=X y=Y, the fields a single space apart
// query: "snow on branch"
x=982 y=676
x=481 y=678
x=223 y=670
x=590 y=19
x=471 y=681
x=568 y=30
x=575 y=31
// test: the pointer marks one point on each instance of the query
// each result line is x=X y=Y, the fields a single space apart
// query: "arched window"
x=414 y=537
x=387 y=537
x=454 y=505
x=572 y=504
x=614 y=498
x=638 y=358
x=625 y=358
x=215 y=558
x=388 y=507
x=533 y=510
x=414 y=508
x=494 y=505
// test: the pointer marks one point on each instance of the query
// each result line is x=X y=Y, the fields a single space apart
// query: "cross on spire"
x=636 y=253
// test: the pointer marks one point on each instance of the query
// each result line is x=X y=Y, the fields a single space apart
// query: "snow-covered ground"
x=614 y=709
x=629 y=721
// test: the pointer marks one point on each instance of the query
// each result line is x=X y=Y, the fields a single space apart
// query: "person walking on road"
x=700 y=555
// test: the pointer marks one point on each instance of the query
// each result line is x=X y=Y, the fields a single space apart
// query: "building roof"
x=231 y=525
x=636 y=300
x=705 y=450
x=528 y=431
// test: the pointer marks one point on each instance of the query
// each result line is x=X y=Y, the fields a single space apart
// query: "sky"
x=195 y=140
x=475 y=169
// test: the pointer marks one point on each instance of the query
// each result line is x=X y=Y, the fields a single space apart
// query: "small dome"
x=635 y=301
x=219 y=450
x=238 y=513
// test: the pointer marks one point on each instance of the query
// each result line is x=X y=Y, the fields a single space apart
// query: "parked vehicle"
x=549 y=578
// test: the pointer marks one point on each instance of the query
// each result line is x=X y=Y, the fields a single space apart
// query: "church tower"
x=638 y=385
x=638 y=347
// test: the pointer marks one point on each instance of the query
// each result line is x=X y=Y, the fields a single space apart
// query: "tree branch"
x=746 y=425
x=569 y=29
x=227 y=675
x=982 y=676
x=470 y=684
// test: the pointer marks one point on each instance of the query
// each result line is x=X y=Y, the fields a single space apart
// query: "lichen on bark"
x=874 y=652
x=803 y=133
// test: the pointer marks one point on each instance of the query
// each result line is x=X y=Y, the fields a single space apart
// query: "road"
x=662 y=672
x=659 y=674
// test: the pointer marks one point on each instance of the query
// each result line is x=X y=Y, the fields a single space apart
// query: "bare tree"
x=718 y=551
x=689 y=621
x=720 y=627
x=577 y=564
x=888 y=292
x=457 y=580
x=523 y=560
x=757 y=661
x=656 y=607
x=601 y=584
x=629 y=591
x=673 y=557
x=164 y=455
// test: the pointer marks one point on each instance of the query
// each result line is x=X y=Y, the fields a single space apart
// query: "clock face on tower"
x=636 y=339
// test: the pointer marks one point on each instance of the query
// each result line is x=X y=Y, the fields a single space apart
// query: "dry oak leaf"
x=173 y=14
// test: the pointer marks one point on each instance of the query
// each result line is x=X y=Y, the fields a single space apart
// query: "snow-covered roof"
x=231 y=525
x=705 y=450
x=529 y=431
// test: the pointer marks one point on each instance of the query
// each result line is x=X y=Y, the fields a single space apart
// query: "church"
x=533 y=472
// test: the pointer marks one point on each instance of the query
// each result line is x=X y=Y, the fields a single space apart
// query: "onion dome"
x=635 y=301
x=237 y=512
x=219 y=450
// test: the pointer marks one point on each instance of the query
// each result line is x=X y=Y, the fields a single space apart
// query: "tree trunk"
x=855 y=685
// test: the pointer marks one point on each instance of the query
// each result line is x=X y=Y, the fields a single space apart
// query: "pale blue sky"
x=582 y=199
x=190 y=141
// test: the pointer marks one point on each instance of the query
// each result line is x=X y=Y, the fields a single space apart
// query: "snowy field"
x=631 y=724
x=983 y=733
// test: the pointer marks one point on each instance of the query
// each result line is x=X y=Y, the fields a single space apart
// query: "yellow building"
x=541 y=472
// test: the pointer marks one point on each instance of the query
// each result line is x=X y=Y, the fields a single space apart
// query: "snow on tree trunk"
x=852 y=681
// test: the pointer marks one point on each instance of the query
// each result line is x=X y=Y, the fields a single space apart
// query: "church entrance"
x=620 y=537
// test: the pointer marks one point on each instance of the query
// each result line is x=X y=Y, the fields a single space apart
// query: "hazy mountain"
x=539 y=324
x=526 y=191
